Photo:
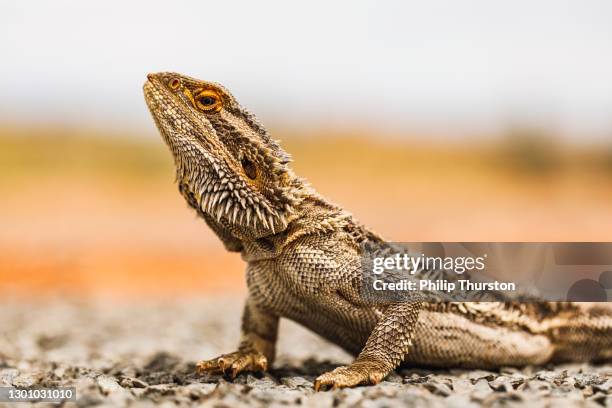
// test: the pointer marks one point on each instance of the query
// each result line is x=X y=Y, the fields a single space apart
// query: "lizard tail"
x=583 y=333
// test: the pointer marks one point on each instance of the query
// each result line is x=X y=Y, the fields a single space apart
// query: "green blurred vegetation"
x=531 y=151
x=537 y=154
x=78 y=153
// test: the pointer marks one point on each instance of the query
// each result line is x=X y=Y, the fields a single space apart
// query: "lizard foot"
x=360 y=372
x=234 y=363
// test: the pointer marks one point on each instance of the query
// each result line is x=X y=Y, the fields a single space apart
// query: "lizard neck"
x=312 y=214
x=316 y=217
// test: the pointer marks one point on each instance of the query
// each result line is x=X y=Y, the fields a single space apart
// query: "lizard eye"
x=174 y=83
x=249 y=169
x=208 y=101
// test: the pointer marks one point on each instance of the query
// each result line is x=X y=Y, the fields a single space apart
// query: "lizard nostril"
x=174 y=83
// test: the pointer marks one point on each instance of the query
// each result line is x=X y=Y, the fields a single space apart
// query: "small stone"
x=481 y=390
x=318 y=399
x=7 y=376
x=438 y=388
x=394 y=377
x=505 y=384
x=462 y=385
x=504 y=399
x=349 y=397
x=605 y=387
x=296 y=382
x=129 y=382
x=417 y=379
x=380 y=403
x=384 y=389
x=481 y=374
x=537 y=385
x=267 y=381
x=59 y=372
x=161 y=389
x=108 y=386
x=552 y=377
x=460 y=401
x=88 y=401
x=586 y=379
x=51 y=342
x=24 y=381
x=598 y=398
x=162 y=361
x=138 y=392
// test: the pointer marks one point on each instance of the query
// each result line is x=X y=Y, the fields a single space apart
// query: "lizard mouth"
x=153 y=98
x=186 y=146
x=174 y=121
x=174 y=118
x=155 y=95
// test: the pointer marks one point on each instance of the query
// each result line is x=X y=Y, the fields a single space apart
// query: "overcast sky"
x=422 y=64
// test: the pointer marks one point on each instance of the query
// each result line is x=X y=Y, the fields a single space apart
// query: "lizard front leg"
x=385 y=348
x=257 y=346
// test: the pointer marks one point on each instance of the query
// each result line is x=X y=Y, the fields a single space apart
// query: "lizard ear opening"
x=249 y=168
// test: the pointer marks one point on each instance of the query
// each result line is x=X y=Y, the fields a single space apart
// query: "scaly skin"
x=303 y=260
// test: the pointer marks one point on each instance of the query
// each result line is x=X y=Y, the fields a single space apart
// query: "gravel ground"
x=144 y=353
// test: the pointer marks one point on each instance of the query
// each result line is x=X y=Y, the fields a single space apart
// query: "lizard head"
x=228 y=167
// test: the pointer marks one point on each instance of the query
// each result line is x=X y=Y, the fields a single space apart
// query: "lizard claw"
x=357 y=373
x=234 y=363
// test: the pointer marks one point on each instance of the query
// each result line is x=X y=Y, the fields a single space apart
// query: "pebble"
x=481 y=389
x=296 y=382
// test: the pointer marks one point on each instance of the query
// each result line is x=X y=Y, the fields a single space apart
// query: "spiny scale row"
x=224 y=200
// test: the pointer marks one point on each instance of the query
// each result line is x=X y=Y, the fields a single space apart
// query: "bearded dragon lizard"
x=303 y=260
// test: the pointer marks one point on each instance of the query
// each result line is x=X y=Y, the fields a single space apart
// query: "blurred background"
x=430 y=121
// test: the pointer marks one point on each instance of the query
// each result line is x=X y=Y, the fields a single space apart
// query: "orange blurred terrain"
x=85 y=212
